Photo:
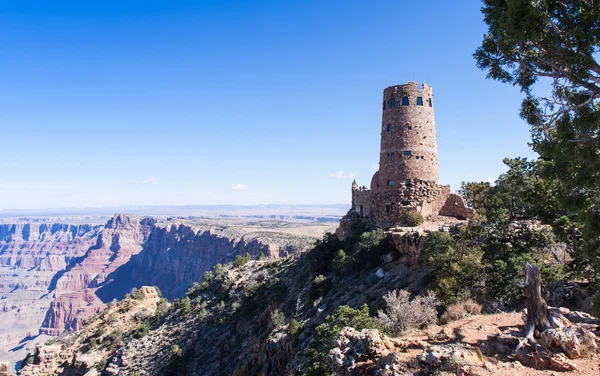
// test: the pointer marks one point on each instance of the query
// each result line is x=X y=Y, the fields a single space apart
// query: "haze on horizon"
x=233 y=102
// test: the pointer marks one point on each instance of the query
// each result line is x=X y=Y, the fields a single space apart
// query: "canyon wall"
x=176 y=256
x=31 y=255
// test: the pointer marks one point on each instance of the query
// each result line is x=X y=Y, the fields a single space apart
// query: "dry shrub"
x=402 y=314
x=461 y=310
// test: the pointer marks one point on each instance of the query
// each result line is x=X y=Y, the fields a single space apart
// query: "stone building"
x=408 y=175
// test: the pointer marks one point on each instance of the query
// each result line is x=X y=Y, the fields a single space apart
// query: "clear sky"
x=108 y=103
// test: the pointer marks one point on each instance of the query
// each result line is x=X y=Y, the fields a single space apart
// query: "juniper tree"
x=549 y=49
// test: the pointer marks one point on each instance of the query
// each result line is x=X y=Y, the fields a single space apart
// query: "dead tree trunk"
x=537 y=309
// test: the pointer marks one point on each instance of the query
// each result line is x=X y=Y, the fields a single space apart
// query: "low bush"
x=401 y=313
x=277 y=319
x=136 y=294
x=461 y=310
x=413 y=218
x=241 y=260
x=295 y=328
x=142 y=330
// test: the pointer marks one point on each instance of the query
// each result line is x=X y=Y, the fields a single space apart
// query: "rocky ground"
x=475 y=345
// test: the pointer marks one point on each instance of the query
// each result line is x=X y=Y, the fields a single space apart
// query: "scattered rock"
x=449 y=357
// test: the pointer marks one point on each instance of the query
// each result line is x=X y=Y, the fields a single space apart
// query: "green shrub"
x=241 y=260
x=142 y=330
x=369 y=248
x=136 y=294
x=277 y=319
x=185 y=305
x=202 y=314
x=261 y=256
x=413 y=218
x=325 y=335
x=454 y=265
x=295 y=328
x=162 y=308
x=194 y=291
x=319 y=287
x=339 y=260
x=175 y=351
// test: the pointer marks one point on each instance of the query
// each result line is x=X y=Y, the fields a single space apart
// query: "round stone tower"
x=408 y=143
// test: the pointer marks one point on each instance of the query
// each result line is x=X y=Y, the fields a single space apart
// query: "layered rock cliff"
x=30 y=257
x=176 y=256
x=74 y=291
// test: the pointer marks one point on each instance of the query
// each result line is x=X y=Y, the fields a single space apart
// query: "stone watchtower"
x=408 y=175
x=408 y=146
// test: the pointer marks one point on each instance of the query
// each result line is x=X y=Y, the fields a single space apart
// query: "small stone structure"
x=408 y=175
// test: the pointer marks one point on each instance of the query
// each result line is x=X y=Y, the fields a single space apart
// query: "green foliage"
x=369 y=248
x=241 y=260
x=261 y=256
x=136 y=294
x=202 y=314
x=142 y=330
x=323 y=253
x=454 y=264
x=340 y=260
x=413 y=218
x=277 y=319
x=557 y=41
x=162 y=308
x=475 y=193
x=325 y=334
x=185 y=305
x=295 y=328
x=194 y=291
x=319 y=287
x=175 y=351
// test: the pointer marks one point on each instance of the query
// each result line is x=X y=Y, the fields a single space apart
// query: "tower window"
x=405 y=101
x=407 y=153
x=419 y=101
x=391 y=183
x=393 y=103
x=430 y=102
x=393 y=154
x=388 y=208
x=410 y=127
x=384 y=105
x=407 y=181
x=405 y=203
x=389 y=127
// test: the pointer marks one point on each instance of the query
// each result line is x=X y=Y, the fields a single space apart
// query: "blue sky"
x=108 y=103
